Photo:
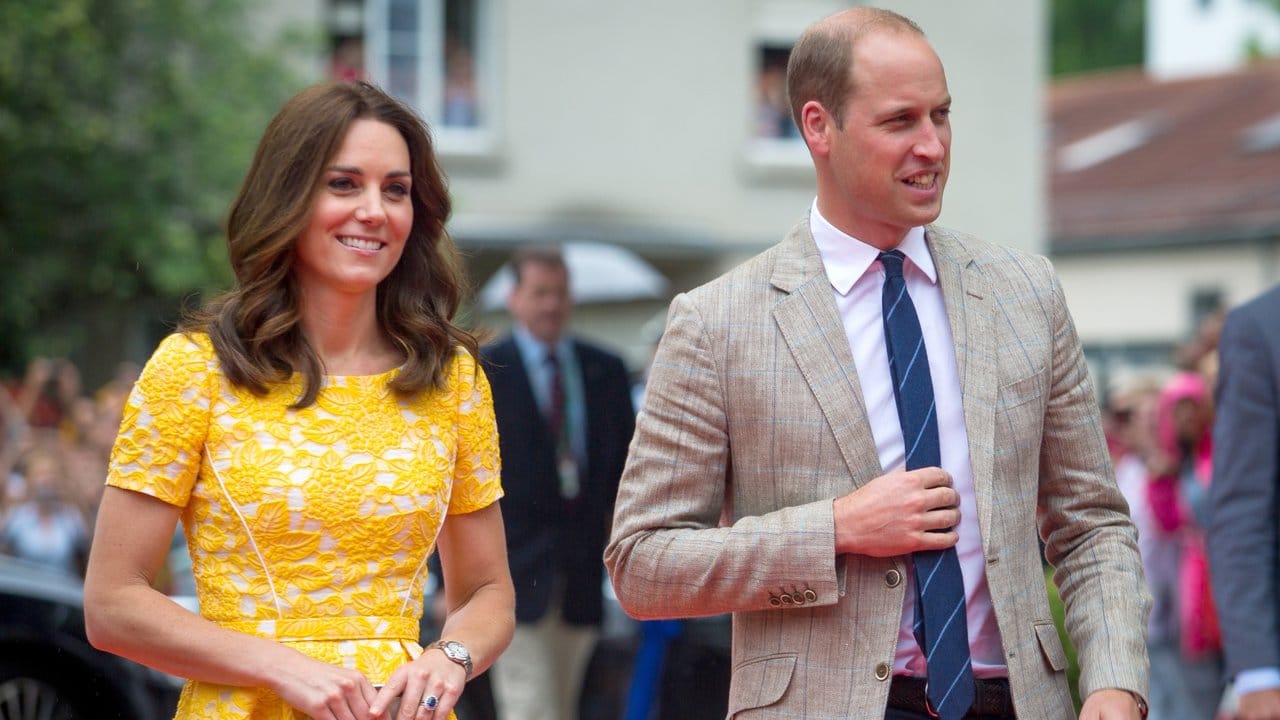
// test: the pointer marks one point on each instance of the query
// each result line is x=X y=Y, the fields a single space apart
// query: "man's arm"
x=667 y=556
x=1242 y=528
x=1089 y=538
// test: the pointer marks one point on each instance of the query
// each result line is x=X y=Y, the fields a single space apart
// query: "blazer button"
x=798 y=597
x=787 y=599
x=893 y=578
x=882 y=671
x=811 y=596
x=775 y=601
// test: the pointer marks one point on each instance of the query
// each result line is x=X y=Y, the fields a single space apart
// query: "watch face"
x=457 y=651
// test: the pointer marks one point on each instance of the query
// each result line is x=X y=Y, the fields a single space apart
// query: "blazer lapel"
x=520 y=384
x=970 y=305
x=812 y=330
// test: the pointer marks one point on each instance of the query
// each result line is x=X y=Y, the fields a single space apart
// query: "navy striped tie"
x=940 y=624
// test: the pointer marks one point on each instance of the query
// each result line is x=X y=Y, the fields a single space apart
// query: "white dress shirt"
x=534 y=354
x=857 y=277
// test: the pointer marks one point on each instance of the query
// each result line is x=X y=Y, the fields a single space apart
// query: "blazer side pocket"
x=760 y=682
x=1051 y=645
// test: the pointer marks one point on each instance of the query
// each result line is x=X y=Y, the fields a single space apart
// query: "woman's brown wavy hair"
x=256 y=326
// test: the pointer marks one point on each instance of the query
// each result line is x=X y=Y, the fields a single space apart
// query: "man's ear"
x=817 y=126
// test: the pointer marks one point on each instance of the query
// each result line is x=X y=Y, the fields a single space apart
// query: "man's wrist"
x=1142 y=704
x=1255 y=679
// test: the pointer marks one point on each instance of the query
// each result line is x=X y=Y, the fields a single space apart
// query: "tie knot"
x=892 y=262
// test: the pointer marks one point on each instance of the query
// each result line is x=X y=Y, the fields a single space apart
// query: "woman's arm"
x=477 y=583
x=481 y=612
x=125 y=615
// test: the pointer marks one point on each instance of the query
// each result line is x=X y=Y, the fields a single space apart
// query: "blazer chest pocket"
x=760 y=682
x=1019 y=416
x=1022 y=390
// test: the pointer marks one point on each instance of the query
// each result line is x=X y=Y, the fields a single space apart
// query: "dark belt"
x=991 y=697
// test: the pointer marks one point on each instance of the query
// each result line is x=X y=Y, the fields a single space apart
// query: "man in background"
x=564 y=422
x=1244 y=524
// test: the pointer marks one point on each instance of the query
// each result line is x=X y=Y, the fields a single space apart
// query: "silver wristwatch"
x=455 y=651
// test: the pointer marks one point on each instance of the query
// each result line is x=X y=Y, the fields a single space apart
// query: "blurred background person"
x=1130 y=420
x=46 y=527
x=1185 y=622
x=1243 y=534
x=564 y=423
x=44 y=394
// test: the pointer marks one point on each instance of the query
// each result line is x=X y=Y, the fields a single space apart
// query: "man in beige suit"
x=770 y=393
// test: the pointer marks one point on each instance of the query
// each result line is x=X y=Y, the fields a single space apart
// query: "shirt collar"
x=846 y=258
x=534 y=351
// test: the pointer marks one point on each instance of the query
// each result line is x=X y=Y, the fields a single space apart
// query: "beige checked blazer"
x=753 y=398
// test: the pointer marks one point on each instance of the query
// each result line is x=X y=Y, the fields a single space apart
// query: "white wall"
x=1145 y=296
x=639 y=113
x=1191 y=37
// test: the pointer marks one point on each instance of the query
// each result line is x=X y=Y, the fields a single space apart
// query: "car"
x=49 y=670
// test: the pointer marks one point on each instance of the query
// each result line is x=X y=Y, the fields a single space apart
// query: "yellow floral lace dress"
x=313 y=526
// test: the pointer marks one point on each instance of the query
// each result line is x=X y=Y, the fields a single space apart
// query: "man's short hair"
x=546 y=255
x=821 y=63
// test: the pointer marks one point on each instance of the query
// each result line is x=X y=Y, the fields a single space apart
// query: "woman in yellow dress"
x=318 y=430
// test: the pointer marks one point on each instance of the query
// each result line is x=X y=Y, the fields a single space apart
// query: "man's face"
x=540 y=300
x=888 y=162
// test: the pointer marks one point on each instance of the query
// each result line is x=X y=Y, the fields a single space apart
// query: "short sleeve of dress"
x=477 y=471
x=162 y=432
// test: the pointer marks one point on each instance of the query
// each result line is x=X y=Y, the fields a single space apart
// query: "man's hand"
x=1259 y=705
x=898 y=513
x=1110 y=704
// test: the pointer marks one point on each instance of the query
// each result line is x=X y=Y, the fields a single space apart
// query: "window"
x=346 y=40
x=1206 y=303
x=775 y=149
x=438 y=55
x=773 y=110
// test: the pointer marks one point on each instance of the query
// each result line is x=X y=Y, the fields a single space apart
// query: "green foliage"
x=1096 y=35
x=125 y=128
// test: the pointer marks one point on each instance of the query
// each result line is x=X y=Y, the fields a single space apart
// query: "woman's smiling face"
x=361 y=214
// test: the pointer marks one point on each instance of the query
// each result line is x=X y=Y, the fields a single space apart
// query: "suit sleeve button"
x=775 y=601
x=882 y=671
x=787 y=599
x=893 y=578
x=798 y=597
x=810 y=596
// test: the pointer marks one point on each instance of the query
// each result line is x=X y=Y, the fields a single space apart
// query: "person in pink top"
x=1178 y=492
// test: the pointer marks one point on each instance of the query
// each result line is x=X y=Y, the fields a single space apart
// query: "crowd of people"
x=1159 y=428
x=55 y=441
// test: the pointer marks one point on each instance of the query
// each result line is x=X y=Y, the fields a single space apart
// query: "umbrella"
x=597 y=273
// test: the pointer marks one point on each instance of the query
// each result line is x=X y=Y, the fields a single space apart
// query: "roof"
x=1139 y=162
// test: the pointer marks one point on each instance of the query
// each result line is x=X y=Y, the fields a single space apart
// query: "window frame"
x=479 y=141
x=772 y=158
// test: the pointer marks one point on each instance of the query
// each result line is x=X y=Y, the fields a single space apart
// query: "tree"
x=1096 y=35
x=125 y=127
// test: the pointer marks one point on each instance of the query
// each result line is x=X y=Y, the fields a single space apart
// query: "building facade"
x=657 y=126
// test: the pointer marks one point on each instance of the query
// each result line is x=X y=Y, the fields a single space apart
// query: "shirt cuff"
x=1255 y=679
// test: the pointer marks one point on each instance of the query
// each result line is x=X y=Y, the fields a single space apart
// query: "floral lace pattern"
x=310 y=526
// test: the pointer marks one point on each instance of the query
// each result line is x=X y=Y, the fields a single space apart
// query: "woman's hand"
x=323 y=691
x=432 y=675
